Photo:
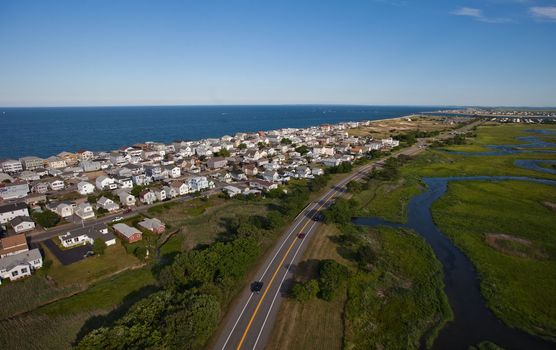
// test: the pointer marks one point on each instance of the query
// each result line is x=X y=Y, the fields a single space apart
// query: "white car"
x=117 y=218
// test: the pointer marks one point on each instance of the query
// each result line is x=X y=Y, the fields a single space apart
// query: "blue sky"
x=489 y=52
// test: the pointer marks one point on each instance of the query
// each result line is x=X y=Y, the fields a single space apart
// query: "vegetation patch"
x=517 y=279
x=515 y=246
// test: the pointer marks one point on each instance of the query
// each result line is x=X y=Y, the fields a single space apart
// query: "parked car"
x=128 y=210
x=117 y=218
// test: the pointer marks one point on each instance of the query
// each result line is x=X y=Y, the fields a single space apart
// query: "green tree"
x=286 y=141
x=46 y=218
x=332 y=279
x=99 y=246
x=242 y=146
x=303 y=150
x=354 y=186
x=304 y=292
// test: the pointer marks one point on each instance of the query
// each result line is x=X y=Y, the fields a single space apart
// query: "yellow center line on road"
x=280 y=265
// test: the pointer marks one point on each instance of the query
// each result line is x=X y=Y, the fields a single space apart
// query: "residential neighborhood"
x=85 y=186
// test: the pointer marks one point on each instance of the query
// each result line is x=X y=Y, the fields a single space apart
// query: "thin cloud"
x=477 y=14
x=547 y=13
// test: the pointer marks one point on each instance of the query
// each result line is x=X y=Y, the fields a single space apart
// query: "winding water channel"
x=473 y=321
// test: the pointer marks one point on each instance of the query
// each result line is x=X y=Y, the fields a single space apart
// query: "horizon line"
x=283 y=105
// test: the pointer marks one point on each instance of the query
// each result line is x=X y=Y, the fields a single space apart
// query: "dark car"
x=301 y=235
x=317 y=217
x=127 y=211
x=256 y=286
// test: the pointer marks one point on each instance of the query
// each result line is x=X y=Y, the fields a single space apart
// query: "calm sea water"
x=48 y=131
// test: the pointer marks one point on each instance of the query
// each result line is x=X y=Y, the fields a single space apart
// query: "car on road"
x=301 y=235
x=256 y=286
x=128 y=210
x=117 y=218
x=317 y=217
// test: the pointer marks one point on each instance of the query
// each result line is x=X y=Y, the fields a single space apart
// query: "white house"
x=87 y=235
x=107 y=204
x=124 y=182
x=199 y=183
x=56 y=185
x=11 y=211
x=231 y=190
x=14 y=190
x=160 y=194
x=84 y=188
x=126 y=198
x=174 y=171
x=22 y=224
x=20 y=265
x=12 y=166
x=170 y=192
x=390 y=142
x=147 y=197
x=55 y=162
x=64 y=209
x=85 y=211
x=104 y=182
x=180 y=187
x=271 y=175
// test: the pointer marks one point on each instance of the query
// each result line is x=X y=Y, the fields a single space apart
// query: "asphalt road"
x=249 y=321
x=45 y=234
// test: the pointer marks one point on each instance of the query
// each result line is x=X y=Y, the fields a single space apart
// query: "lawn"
x=508 y=234
x=91 y=269
x=101 y=295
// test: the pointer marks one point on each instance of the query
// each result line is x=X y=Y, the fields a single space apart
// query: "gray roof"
x=90 y=231
x=12 y=207
x=126 y=230
x=19 y=219
x=11 y=261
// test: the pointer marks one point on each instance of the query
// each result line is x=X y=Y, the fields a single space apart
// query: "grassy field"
x=316 y=324
x=502 y=134
x=391 y=127
x=508 y=234
x=401 y=299
x=387 y=199
x=91 y=269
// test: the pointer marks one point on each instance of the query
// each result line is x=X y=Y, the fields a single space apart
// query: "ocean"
x=44 y=132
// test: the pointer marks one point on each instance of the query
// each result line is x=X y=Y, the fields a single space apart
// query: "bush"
x=332 y=280
x=303 y=292
x=99 y=246
x=47 y=218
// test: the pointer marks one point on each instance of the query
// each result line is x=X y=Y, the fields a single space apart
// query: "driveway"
x=69 y=256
